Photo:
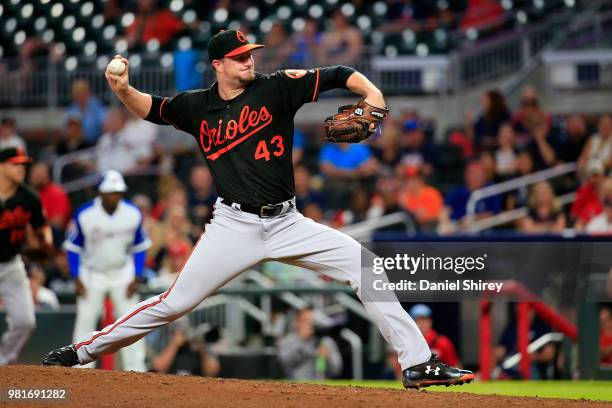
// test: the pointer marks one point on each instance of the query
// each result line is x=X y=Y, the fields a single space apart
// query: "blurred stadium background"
x=511 y=95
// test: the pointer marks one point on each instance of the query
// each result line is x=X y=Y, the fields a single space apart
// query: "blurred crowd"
x=336 y=32
x=400 y=169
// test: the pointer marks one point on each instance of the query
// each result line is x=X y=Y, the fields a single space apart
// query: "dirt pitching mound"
x=98 y=388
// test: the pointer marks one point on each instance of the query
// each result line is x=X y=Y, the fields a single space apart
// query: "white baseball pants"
x=17 y=297
x=90 y=306
x=235 y=241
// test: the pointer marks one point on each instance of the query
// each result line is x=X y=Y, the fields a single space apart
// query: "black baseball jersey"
x=247 y=141
x=23 y=208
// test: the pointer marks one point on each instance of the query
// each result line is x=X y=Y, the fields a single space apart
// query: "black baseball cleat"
x=65 y=356
x=434 y=372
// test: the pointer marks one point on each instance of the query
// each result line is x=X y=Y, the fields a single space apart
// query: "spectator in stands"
x=74 y=141
x=602 y=224
x=529 y=116
x=276 y=51
x=412 y=14
x=152 y=227
x=482 y=14
x=587 y=203
x=439 y=344
x=385 y=202
x=176 y=254
x=598 y=147
x=605 y=335
x=453 y=215
x=88 y=108
x=485 y=130
x=186 y=353
x=545 y=214
x=299 y=142
x=342 y=44
x=202 y=195
x=305 y=355
x=541 y=146
x=357 y=211
x=387 y=149
x=488 y=163
x=9 y=136
x=424 y=201
x=114 y=150
x=152 y=23
x=304 y=46
x=417 y=149
x=142 y=136
x=43 y=297
x=505 y=155
x=572 y=140
x=304 y=195
x=524 y=166
x=171 y=192
x=347 y=161
x=54 y=199
x=176 y=225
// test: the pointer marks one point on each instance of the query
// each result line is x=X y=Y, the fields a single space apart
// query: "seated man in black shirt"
x=185 y=355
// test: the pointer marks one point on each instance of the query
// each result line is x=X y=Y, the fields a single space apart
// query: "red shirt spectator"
x=439 y=344
x=482 y=13
x=442 y=347
x=605 y=337
x=587 y=204
x=54 y=199
x=152 y=24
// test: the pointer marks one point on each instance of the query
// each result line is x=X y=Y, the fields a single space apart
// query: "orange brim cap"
x=242 y=49
x=19 y=160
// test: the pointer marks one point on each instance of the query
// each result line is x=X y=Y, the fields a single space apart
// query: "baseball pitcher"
x=243 y=125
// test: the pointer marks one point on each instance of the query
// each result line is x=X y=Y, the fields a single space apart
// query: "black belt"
x=7 y=260
x=263 y=211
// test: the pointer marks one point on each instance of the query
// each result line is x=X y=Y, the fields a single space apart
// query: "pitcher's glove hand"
x=354 y=123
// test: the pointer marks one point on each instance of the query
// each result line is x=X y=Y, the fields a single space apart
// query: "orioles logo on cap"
x=240 y=36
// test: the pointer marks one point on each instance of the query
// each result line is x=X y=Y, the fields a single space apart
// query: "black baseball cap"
x=229 y=44
x=14 y=155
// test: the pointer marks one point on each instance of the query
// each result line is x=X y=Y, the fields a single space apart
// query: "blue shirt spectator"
x=91 y=111
x=457 y=198
x=347 y=160
x=347 y=157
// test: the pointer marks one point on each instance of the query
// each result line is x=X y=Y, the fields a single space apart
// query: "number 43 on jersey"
x=276 y=146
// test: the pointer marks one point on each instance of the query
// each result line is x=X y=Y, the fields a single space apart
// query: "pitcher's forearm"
x=361 y=85
x=139 y=103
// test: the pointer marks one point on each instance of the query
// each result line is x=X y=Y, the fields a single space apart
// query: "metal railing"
x=505 y=54
x=513 y=215
x=510 y=185
x=91 y=179
x=513 y=360
x=47 y=82
x=363 y=230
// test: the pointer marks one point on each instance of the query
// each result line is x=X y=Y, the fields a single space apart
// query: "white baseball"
x=116 y=66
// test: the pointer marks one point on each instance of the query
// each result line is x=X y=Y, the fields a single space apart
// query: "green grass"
x=592 y=390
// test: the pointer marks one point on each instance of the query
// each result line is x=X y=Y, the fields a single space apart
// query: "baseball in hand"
x=116 y=66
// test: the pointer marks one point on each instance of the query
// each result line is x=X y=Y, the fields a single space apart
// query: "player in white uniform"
x=106 y=247
x=244 y=126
